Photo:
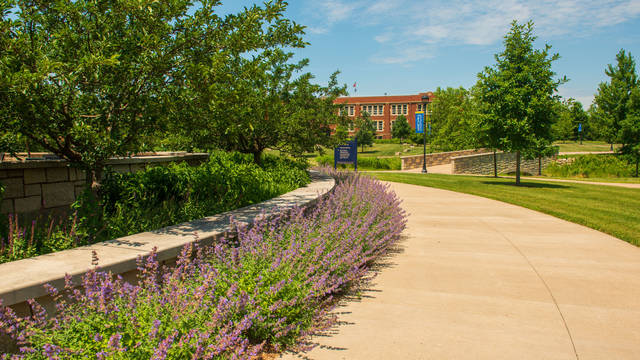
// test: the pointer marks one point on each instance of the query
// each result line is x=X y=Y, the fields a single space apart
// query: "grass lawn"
x=574 y=146
x=390 y=150
x=624 y=180
x=613 y=210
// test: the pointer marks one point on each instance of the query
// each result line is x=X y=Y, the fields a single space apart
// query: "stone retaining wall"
x=442 y=158
x=482 y=164
x=32 y=186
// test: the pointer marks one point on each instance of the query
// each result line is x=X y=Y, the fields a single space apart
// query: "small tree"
x=453 y=119
x=366 y=131
x=630 y=128
x=612 y=100
x=519 y=95
x=401 y=128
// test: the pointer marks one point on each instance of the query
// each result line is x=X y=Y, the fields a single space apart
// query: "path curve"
x=482 y=279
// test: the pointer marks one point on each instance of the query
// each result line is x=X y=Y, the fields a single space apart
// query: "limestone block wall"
x=482 y=164
x=32 y=186
x=442 y=158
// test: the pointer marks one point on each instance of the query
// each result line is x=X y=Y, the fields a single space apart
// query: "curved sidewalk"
x=482 y=279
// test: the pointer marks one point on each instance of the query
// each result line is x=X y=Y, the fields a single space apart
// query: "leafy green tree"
x=630 y=128
x=453 y=119
x=89 y=80
x=613 y=98
x=570 y=115
x=401 y=128
x=366 y=131
x=519 y=95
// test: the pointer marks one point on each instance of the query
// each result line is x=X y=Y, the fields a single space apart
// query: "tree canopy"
x=612 y=101
x=453 y=119
x=518 y=95
x=401 y=128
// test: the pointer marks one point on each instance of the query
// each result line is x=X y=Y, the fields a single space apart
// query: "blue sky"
x=408 y=46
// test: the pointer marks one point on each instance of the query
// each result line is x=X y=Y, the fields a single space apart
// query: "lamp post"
x=425 y=100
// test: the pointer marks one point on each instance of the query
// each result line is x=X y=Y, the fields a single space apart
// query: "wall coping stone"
x=24 y=279
x=137 y=159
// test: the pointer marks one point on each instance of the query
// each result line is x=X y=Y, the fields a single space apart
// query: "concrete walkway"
x=481 y=279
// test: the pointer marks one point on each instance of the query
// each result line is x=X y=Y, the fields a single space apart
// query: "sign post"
x=345 y=154
x=420 y=130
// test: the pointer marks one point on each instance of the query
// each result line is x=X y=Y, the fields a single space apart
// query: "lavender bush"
x=268 y=288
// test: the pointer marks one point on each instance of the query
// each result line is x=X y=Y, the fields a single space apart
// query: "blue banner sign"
x=580 y=127
x=419 y=122
x=346 y=154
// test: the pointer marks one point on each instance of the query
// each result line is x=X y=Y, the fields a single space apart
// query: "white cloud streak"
x=431 y=23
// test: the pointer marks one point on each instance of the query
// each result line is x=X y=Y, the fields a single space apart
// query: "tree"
x=630 y=128
x=519 y=95
x=613 y=98
x=366 y=131
x=89 y=80
x=570 y=115
x=453 y=119
x=401 y=128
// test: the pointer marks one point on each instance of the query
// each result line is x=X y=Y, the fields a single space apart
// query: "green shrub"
x=364 y=163
x=592 y=166
x=153 y=198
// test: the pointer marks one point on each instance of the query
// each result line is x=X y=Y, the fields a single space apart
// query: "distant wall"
x=482 y=164
x=442 y=158
x=32 y=186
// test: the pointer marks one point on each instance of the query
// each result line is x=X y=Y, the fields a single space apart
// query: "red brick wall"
x=411 y=100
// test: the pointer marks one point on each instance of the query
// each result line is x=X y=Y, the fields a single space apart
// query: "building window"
x=393 y=122
x=379 y=125
x=351 y=126
x=348 y=110
x=399 y=109
x=375 y=110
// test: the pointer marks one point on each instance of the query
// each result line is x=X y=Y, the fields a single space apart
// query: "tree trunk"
x=611 y=147
x=495 y=164
x=93 y=179
x=257 y=157
x=517 y=168
x=539 y=165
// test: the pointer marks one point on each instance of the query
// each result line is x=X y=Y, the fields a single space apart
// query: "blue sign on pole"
x=419 y=122
x=345 y=154
x=580 y=127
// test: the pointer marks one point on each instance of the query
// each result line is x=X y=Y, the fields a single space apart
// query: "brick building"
x=384 y=110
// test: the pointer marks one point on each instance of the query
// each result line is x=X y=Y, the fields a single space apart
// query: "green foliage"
x=612 y=102
x=366 y=130
x=154 y=198
x=454 y=120
x=161 y=196
x=592 y=166
x=569 y=115
x=401 y=128
x=517 y=95
x=364 y=163
x=89 y=80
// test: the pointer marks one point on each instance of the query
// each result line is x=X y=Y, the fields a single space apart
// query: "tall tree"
x=630 y=128
x=613 y=98
x=519 y=93
x=366 y=130
x=401 y=128
x=453 y=119
x=89 y=80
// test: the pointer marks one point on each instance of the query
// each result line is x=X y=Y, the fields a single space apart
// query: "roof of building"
x=417 y=98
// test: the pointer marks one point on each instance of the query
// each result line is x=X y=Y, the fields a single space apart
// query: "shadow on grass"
x=534 y=185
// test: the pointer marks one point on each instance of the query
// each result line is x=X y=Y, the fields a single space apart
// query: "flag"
x=355 y=89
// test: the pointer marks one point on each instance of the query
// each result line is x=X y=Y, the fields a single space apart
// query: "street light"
x=425 y=100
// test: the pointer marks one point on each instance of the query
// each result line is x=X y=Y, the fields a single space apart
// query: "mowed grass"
x=574 y=146
x=612 y=210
